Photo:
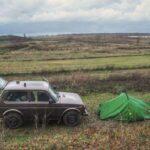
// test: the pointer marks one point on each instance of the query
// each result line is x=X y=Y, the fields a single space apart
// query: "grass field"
x=98 y=66
x=92 y=133
x=109 y=63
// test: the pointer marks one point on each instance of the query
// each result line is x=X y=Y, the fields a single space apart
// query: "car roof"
x=27 y=85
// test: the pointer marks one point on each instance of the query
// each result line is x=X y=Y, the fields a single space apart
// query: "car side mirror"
x=50 y=101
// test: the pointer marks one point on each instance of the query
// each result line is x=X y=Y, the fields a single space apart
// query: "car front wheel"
x=72 y=118
x=13 y=120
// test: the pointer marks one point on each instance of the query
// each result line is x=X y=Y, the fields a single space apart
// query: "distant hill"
x=12 y=38
x=76 y=41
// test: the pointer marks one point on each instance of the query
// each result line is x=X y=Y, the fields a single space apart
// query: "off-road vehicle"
x=21 y=101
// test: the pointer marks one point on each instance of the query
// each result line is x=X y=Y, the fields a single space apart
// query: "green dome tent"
x=125 y=108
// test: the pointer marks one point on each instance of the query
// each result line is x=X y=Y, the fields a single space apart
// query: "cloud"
x=94 y=14
x=142 y=11
x=68 y=10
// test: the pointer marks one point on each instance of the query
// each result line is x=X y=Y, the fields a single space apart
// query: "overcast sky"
x=74 y=16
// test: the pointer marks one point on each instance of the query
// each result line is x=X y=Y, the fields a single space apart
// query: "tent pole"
x=127 y=95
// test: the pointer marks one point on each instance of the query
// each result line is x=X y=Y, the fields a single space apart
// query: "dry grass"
x=94 y=65
x=91 y=134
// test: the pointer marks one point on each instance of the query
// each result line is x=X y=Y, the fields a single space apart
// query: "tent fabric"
x=124 y=108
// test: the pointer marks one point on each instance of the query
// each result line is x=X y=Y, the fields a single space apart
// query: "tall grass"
x=91 y=134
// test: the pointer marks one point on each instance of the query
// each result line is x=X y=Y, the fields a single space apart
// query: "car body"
x=28 y=100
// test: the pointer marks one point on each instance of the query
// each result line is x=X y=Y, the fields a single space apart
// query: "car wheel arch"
x=12 y=111
x=65 y=111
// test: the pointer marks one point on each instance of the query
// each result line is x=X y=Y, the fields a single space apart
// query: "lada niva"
x=21 y=101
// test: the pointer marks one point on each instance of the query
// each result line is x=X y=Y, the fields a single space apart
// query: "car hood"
x=70 y=98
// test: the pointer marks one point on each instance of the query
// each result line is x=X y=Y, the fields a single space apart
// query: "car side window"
x=43 y=96
x=16 y=96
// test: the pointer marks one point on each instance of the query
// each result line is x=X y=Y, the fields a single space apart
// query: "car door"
x=17 y=100
x=46 y=108
x=41 y=104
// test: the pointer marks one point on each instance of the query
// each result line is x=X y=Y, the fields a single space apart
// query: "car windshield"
x=2 y=83
x=53 y=93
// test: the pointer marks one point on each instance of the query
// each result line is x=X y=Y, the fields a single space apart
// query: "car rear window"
x=16 y=96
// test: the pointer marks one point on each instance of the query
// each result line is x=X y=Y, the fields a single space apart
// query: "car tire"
x=13 y=120
x=72 y=118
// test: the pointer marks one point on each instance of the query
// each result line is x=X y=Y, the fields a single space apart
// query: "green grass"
x=90 y=134
x=7 y=67
x=28 y=54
